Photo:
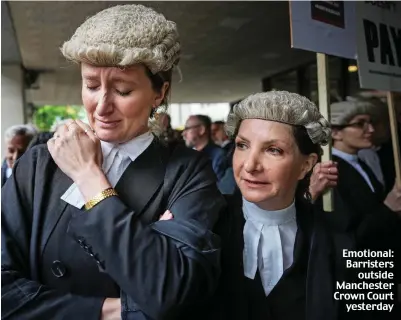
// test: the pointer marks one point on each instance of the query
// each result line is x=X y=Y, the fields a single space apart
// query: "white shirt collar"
x=130 y=148
x=345 y=156
x=116 y=159
x=270 y=218
x=224 y=143
x=269 y=238
x=9 y=172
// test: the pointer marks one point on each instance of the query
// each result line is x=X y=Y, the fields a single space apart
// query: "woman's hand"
x=77 y=152
x=393 y=200
x=111 y=309
x=167 y=215
x=324 y=177
x=73 y=150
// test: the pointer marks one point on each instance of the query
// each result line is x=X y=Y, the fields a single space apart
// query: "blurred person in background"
x=178 y=135
x=383 y=152
x=17 y=139
x=198 y=135
x=386 y=150
x=168 y=134
x=352 y=132
x=220 y=137
x=227 y=183
x=370 y=217
x=378 y=113
x=164 y=121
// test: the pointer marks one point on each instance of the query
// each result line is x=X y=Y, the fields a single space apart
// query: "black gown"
x=244 y=298
x=59 y=262
x=306 y=289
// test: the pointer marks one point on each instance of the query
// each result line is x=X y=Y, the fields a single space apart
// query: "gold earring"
x=153 y=113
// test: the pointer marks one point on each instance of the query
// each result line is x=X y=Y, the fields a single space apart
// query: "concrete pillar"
x=12 y=99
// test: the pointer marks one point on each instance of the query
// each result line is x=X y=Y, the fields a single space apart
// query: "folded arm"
x=162 y=268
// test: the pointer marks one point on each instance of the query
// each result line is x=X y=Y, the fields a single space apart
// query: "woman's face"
x=355 y=136
x=118 y=102
x=268 y=164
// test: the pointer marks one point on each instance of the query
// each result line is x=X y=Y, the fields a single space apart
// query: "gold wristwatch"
x=100 y=197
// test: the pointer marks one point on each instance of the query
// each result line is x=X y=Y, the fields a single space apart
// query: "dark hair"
x=19 y=130
x=220 y=123
x=158 y=80
x=22 y=132
x=306 y=147
x=41 y=138
x=206 y=122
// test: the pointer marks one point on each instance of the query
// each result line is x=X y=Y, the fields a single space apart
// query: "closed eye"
x=92 y=88
x=124 y=94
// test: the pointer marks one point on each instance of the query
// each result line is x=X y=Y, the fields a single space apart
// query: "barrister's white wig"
x=281 y=106
x=343 y=112
x=125 y=35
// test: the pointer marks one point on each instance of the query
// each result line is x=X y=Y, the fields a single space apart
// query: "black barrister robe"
x=239 y=297
x=362 y=222
x=4 y=167
x=59 y=262
x=306 y=289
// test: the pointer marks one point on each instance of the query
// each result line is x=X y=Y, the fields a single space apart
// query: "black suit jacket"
x=386 y=156
x=362 y=210
x=4 y=167
x=360 y=221
x=163 y=268
x=229 y=147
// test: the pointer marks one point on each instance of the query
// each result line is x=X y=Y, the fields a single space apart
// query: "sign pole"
x=324 y=107
x=394 y=137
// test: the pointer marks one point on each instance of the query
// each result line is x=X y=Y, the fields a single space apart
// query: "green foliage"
x=46 y=116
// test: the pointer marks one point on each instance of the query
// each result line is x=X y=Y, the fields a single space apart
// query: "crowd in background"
x=124 y=217
x=210 y=138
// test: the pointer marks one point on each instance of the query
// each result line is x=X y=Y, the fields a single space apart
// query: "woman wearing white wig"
x=81 y=236
x=373 y=214
x=278 y=260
